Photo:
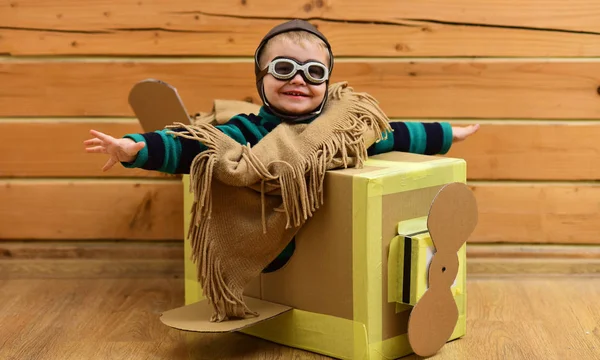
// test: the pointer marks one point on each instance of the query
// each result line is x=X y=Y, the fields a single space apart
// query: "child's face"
x=294 y=95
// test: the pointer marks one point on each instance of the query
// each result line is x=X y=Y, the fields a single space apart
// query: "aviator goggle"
x=313 y=72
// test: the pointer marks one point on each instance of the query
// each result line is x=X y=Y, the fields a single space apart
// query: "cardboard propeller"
x=452 y=218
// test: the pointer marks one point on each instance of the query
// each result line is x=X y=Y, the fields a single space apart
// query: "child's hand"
x=119 y=149
x=461 y=133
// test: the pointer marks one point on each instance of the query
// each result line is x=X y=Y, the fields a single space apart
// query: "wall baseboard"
x=132 y=259
x=90 y=259
x=542 y=259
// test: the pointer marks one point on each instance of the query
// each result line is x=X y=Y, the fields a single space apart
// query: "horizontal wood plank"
x=90 y=269
x=537 y=213
x=54 y=148
x=537 y=251
x=95 y=249
x=234 y=28
x=578 y=15
x=428 y=88
x=94 y=209
x=499 y=151
x=222 y=36
x=532 y=266
x=531 y=151
x=103 y=209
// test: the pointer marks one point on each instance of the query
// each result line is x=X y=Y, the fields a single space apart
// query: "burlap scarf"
x=249 y=202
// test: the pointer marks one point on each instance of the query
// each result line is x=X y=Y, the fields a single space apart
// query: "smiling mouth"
x=295 y=93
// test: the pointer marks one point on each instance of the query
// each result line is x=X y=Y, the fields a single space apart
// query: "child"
x=293 y=64
x=297 y=96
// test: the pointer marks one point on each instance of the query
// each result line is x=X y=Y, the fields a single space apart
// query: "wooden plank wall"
x=528 y=72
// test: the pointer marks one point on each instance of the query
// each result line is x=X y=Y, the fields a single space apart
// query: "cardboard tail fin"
x=157 y=104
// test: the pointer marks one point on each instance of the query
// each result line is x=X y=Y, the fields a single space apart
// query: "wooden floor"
x=509 y=318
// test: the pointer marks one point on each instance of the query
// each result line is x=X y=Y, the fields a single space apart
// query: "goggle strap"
x=263 y=73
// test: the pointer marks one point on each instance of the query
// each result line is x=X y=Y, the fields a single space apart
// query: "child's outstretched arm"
x=173 y=154
x=422 y=138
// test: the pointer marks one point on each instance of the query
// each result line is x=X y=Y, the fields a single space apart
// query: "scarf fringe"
x=301 y=200
x=219 y=295
x=301 y=187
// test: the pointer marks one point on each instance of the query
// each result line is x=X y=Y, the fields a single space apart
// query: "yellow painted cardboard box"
x=359 y=263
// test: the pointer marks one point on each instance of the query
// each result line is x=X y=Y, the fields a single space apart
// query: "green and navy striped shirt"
x=174 y=155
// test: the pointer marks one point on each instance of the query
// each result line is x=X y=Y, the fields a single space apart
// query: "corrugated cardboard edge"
x=196 y=316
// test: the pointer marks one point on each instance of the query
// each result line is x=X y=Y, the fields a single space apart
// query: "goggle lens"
x=312 y=71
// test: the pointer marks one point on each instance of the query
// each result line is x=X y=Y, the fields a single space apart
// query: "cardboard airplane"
x=449 y=219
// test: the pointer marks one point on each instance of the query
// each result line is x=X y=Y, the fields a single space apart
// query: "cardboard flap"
x=412 y=226
x=196 y=316
x=395 y=269
x=157 y=104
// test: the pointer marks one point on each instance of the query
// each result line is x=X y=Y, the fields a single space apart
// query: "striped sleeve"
x=416 y=137
x=174 y=155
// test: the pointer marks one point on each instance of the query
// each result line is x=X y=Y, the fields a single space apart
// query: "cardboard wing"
x=195 y=317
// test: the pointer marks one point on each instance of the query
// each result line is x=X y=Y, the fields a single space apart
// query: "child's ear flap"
x=452 y=217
